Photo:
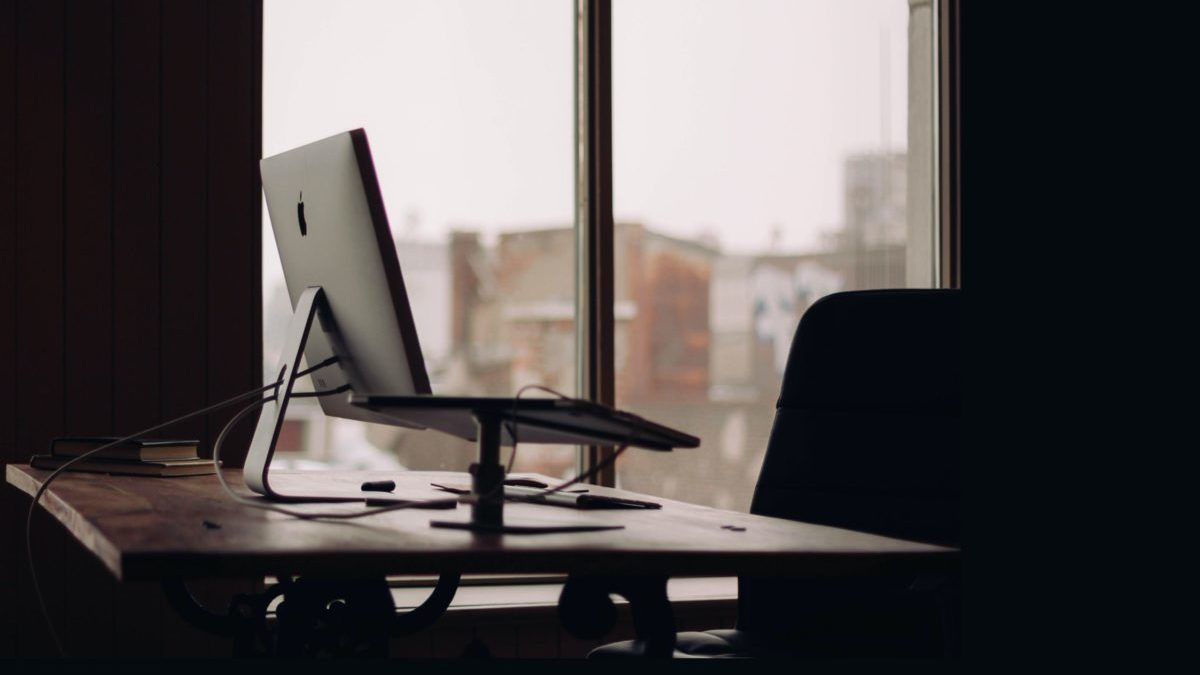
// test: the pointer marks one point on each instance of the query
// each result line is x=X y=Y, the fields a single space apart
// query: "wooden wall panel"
x=234 y=223
x=184 y=249
x=39 y=285
x=8 y=308
x=87 y=287
x=129 y=267
x=10 y=540
x=87 y=217
x=136 y=264
x=39 y=214
x=136 y=312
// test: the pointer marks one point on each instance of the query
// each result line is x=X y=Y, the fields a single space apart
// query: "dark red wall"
x=130 y=255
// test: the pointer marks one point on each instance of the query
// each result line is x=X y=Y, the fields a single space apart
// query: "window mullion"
x=593 y=214
x=949 y=59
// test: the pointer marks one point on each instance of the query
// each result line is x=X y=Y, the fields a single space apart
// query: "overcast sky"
x=729 y=116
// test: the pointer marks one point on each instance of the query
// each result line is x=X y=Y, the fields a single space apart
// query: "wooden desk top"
x=145 y=528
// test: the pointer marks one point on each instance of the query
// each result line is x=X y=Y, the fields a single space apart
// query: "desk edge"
x=89 y=537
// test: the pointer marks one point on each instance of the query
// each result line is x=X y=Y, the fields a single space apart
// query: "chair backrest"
x=866 y=431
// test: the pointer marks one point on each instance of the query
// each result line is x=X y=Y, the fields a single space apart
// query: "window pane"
x=765 y=154
x=468 y=106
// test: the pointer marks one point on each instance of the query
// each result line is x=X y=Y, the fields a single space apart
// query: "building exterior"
x=702 y=337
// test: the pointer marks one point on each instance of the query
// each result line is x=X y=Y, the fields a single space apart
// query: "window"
x=468 y=109
x=763 y=154
x=763 y=157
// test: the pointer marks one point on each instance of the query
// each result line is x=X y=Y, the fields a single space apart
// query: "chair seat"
x=725 y=643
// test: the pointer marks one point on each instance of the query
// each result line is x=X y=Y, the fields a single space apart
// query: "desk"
x=154 y=529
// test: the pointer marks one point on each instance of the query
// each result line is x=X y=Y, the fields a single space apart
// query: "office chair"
x=866 y=437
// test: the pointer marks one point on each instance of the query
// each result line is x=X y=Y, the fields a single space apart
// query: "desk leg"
x=245 y=621
x=317 y=617
x=586 y=611
x=334 y=617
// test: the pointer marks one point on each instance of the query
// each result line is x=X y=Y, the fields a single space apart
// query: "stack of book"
x=143 y=456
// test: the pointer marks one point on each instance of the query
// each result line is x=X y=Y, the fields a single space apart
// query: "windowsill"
x=427 y=581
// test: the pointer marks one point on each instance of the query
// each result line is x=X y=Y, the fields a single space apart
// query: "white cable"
x=331 y=515
x=37 y=589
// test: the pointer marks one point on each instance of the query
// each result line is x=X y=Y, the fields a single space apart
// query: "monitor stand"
x=487 y=488
x=487 y=475
x=270 y=420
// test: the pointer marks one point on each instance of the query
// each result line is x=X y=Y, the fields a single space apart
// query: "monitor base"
x=487 y=488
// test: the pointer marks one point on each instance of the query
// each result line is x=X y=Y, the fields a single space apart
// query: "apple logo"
x=300 y=215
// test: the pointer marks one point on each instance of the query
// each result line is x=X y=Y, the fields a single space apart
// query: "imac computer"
x=352 y=318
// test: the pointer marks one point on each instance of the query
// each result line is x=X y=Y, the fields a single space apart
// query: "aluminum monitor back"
x=332 y=231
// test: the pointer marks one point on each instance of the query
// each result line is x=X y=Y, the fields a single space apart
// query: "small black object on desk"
x=379 y=486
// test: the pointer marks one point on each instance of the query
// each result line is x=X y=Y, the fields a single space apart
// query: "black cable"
x=598 y=466
x=324 y=392
x=37 y=590
x=327 y=362
x=512 y=423
x=512 y=430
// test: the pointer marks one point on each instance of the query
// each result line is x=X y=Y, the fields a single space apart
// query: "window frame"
x=948 y=139
x=595 y=354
